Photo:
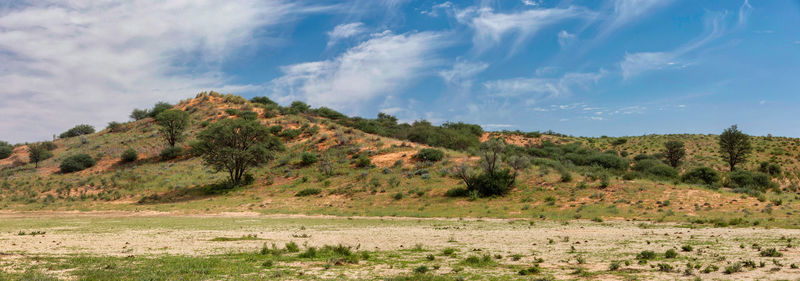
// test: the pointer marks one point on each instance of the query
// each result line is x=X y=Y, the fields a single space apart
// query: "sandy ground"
x=152 y=233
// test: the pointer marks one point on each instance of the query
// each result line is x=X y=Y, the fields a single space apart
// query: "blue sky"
x=589 y=68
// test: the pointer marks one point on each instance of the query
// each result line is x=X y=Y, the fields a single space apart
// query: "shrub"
x=701 y=175
x=78 y=130
x=329 y=113
x=608 y=161
x=733 y=268
x=5 y=150
x=771 y=169
x=457 y=192
x=429 y=154
x=139 y=114
x=114 y=127
x=421 y=269
x=646 y=255
x=263 y=100
x=308 y=158
x=171 y=152
x=248 y=115
x=299 y=106
x=671 y=254
x=76 y=163
x=663 y=171
x=490 y=184
x=363 y=162
x=289 y=133
x=158 y=108
x=749 y=180
x=687 y=248
x=129 y=155
x=398 y=196
x=308 y=192
x=665 y=267
x=771 y=252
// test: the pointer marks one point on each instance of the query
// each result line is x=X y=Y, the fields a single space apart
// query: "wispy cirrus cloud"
x=344 y=31
x=532 y=89
x=634 y=64
x=462 y=73
x=67 y=62
x=377 y=67
x=491 y=28
x=625 y=12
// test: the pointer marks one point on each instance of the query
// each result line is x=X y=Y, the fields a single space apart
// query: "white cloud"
x=533 y=88
x=628 y=11
x=744 y=12
x=530 y=2
x=491 y=28
x=379 y=66
x=564 y=38
x=636 y=63
x=343 y=31
x=462 y=73
x=68 y=62
x=434 y=12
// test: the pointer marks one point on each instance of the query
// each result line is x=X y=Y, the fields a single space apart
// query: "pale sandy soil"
x=152 y=233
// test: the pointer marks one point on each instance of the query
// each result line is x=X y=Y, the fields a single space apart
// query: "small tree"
x=674 y=152
x=139 y=114
x=38 y=152
x=78 y=130
x=235 y=145
x=173 y=123
x=158 y=108
x=734 y=146
x=5 y=150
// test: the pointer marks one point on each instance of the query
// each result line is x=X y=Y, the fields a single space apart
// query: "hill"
x=564 y=181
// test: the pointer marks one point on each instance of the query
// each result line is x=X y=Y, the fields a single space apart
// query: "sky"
x=584 y=68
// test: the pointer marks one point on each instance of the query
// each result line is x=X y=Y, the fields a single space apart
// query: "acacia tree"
x=734 y=146
x=235 y=145
x=38 y=152
x=173 y=123
x=674 y=152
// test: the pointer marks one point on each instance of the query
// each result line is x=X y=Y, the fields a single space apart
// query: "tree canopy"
x=734 y=146
x=235 y=145
x=173 y=123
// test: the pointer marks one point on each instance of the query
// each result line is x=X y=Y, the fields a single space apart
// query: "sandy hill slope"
x=394 y=185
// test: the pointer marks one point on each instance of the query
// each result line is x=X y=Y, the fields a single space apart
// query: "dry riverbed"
x=59 y=244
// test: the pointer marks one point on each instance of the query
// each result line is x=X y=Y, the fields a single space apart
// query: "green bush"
x=76 y=163
x=457 y=192
x=264 y=101
x=363 y=162
x=701 y=175
x=308 y=192
x=289 y=134
x=771 y=169
x=497 y=184
x=5 y=150
x=79 y=130
x=308 y=158
x=749 y=180
x=670 y=254
x=248 y=115
x=429 y=154
x=129 y=155
x=114 y=127
x=171 y=152
x=158 y=108
x=663 y=171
